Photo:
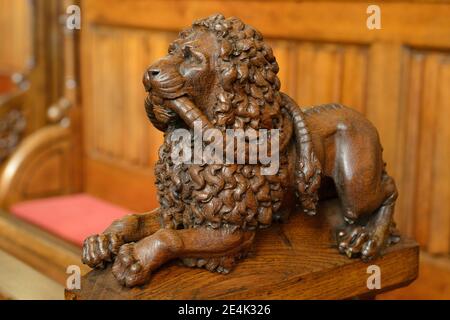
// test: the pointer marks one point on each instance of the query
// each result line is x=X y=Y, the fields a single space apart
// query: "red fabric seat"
x=6 y=85
x=72 y=217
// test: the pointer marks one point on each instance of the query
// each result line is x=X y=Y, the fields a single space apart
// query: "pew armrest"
x=41 y=166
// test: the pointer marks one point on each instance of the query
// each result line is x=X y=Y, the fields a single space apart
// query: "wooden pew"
x=46 y=159
x=40 y=167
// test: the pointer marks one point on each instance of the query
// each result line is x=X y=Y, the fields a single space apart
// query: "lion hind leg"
x=219 y=248
x=368 y=236
x=381 y=223
x=367 y=193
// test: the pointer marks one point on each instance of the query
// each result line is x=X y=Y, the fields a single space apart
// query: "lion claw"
x=363 y=241
x=353 y=240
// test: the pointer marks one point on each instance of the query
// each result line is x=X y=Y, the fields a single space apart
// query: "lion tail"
x=308 y=169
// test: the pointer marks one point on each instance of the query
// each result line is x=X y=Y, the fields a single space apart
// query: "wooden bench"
x=40 y=222
x=297 y=260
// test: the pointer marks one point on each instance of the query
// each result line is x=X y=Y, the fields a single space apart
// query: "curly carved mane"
x=235 y=196
x=249 y=94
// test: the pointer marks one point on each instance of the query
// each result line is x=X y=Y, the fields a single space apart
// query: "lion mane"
x=238 y=196
x=249 y=95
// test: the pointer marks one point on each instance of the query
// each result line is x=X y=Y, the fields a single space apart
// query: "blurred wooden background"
x=15 y=47
x=399 y=77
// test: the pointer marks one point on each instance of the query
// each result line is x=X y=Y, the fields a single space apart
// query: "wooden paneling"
x=118 y=133
x=119 y=183
x=425 y=149
x=383 y=107
x=422 y=23
x=315 y=73
x=116 y=119
x=326 y=73
x=16 y=35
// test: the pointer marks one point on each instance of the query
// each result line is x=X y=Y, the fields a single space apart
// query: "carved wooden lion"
x=220 y=73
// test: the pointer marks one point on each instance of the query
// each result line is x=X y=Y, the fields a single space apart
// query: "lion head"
x=227 y=70
x=222 y=72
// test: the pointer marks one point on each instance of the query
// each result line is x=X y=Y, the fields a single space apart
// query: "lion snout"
x=149 y=76
x=152 y=75
x=146 y=81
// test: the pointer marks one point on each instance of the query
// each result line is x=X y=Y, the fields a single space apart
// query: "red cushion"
x=72 y=217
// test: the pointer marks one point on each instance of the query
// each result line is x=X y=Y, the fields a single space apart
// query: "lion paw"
x=128 y=269
x=352 y=239
x=100 y=249
x=363 y=241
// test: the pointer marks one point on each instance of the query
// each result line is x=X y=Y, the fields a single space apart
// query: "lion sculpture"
x=222 y=74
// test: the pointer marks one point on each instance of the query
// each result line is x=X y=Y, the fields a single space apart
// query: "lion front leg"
x=136 y=261
x=99 y=249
